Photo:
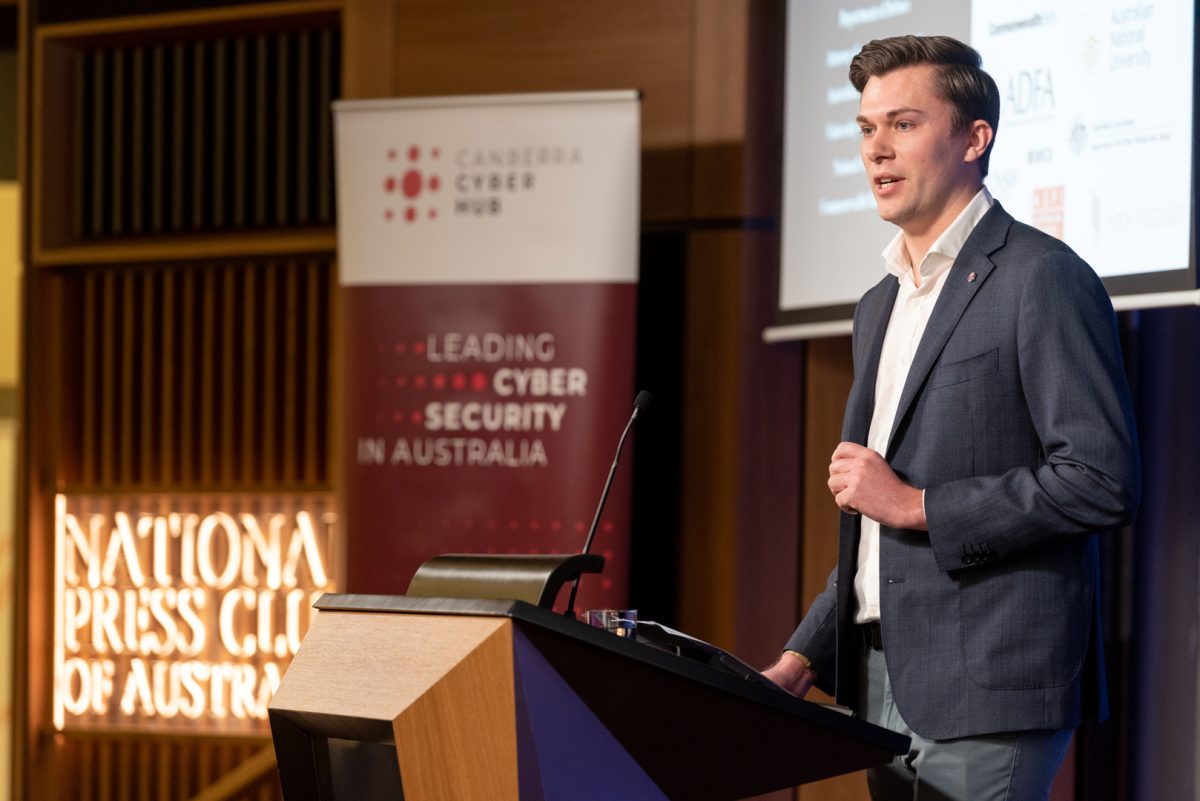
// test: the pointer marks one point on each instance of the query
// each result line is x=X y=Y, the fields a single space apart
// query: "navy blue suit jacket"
x=1016 y=420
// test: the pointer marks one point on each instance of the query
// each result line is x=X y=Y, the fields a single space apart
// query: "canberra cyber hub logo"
x=423 y=184
x=412 y=184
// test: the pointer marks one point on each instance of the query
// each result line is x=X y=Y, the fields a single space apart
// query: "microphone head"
x=642 y=401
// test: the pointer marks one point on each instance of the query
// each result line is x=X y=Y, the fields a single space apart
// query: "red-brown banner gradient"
x=483 y=419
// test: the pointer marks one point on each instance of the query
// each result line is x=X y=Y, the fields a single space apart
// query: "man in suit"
x=988 y=438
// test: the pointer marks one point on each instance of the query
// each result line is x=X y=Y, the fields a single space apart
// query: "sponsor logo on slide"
x=1048 y=210
x=1037 y=20
x=1079 y=136
x=849 y=19
x=1030 y=92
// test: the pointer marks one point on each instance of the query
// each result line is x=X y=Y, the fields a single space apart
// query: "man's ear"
x=979 y=139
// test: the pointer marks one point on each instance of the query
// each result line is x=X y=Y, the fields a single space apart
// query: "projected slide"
x=1095 y=141
x=1094 y=144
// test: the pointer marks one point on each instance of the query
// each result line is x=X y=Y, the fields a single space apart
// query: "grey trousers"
x=1018 y=766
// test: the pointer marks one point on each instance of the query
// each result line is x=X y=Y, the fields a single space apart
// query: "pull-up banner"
x=488 y=257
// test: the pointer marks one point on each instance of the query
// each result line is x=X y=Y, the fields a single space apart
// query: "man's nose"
x=876 y=148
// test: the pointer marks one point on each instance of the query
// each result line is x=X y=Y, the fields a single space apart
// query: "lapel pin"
x=970 y=277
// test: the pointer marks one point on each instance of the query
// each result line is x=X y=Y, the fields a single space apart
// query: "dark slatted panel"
x=198 y=374
x=201 y=375
x=156 y=769
x=206 y=135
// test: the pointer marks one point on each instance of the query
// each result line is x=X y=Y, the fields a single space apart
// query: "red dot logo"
x=412 y=184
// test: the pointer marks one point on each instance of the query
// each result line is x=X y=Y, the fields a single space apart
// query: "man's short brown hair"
x=961 y=80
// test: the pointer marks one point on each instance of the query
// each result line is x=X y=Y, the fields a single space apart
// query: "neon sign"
x=182 y=611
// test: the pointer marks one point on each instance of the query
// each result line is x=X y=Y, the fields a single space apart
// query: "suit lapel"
x=956 y=295
x=861 y=403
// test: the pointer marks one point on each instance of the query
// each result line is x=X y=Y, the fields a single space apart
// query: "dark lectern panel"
x=678 y=719
x=564 y=750
x=677 y=730
x=364 y=771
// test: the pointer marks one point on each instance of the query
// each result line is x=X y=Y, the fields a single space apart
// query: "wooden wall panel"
x=711 y=409
x=720 y=124
x=772 y=376
x=126 y=768
x=772 y=384
x=368 y=29
x=453 y=47
x=184 y=382
x=180 y=101
x=829 y=373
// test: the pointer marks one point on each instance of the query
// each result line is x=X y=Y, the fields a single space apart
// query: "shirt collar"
x=945 y=248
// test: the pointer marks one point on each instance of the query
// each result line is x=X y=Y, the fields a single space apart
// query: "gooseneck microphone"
x=640 y=404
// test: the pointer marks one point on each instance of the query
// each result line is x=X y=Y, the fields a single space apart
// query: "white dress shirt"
x=910 y=315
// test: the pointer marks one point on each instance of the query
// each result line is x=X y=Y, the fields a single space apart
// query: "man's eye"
x=903 y=126
x=866 y=130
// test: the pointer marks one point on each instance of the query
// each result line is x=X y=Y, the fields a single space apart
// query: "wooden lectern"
x=438 y=699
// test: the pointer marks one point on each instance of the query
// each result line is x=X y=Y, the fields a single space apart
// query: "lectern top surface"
x=548 y=621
